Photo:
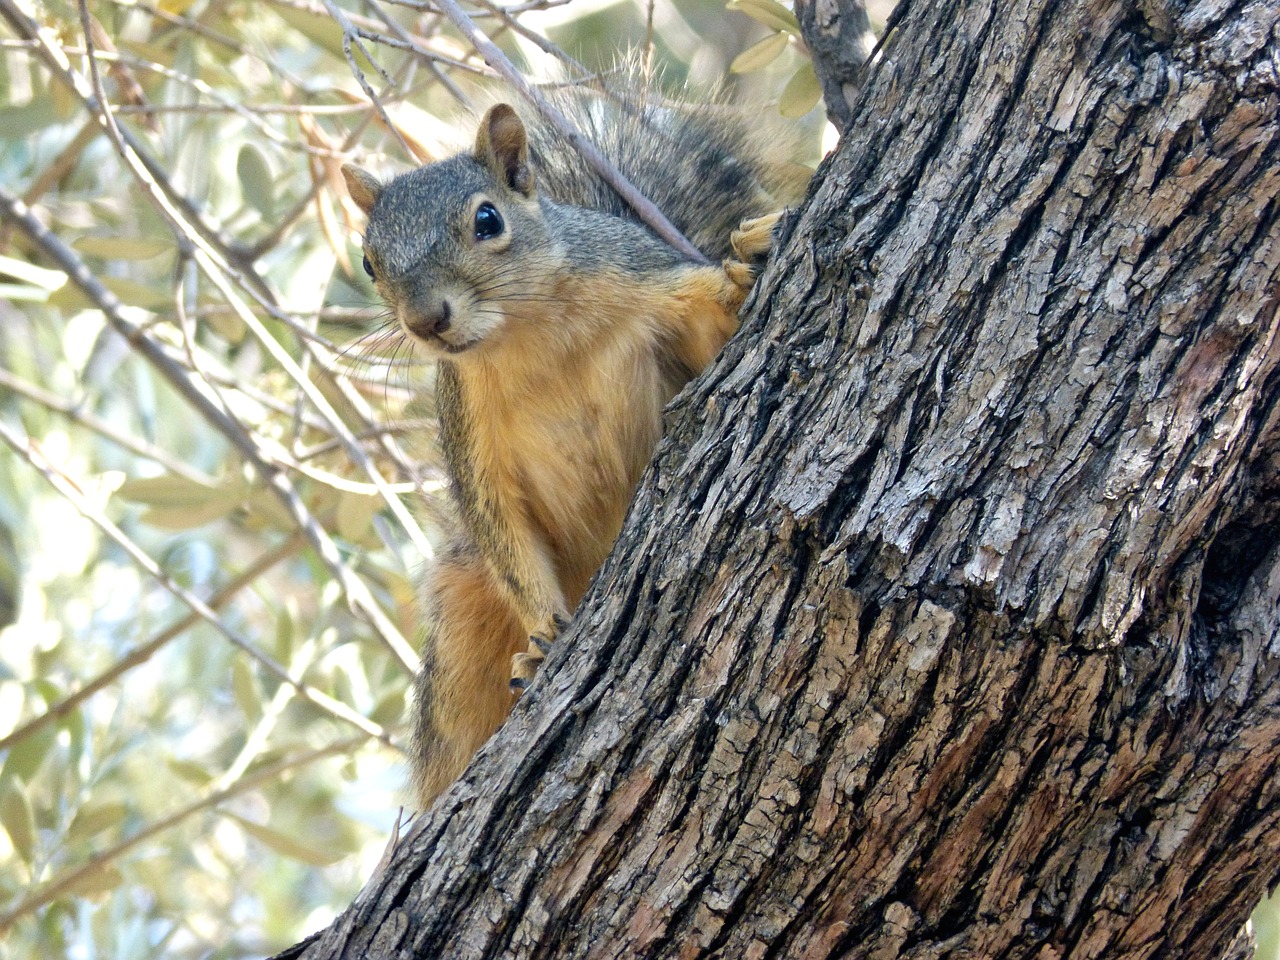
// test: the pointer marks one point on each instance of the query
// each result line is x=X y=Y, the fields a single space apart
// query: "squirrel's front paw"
x=525 y=665
x=751 y=243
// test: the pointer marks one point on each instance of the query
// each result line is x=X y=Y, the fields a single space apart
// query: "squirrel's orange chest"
x=565 y=456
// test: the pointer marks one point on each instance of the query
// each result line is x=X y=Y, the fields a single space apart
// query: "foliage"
x=213 y=480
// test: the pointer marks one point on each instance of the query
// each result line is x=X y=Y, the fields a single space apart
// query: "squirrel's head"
x=459 y=248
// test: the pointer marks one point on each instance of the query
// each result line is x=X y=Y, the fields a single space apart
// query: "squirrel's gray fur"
x=698 y=163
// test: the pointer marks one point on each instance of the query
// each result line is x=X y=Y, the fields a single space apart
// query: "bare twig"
x=349 y=32
x=56 y=61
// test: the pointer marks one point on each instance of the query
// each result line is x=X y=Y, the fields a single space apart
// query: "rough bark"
x=946 y=622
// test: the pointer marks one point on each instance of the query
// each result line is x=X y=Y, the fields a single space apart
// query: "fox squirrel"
x=562 y=326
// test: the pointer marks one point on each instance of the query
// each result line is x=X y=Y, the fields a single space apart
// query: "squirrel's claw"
x=525 y=665
x=751 y=243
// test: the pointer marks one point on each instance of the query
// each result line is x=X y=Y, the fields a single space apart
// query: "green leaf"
x=18 y=123
x=759 y=55
x=70 y=298
x=319 y=28
x=103 y=880
x=286 y=845
x=92 y=818
x=16 y=293
x=389 y=710
x=286 y=630
x=801 y=94
x=177 y=503
x=355 y=514
x=772 y=14
x=26 y=756
x=17 y=819
x=226 y=324
x=190 y=771
x=265 y=509
x=169 y=490
x=138 y=294
x=244 y=686
x=122 y=248
x=131 y=292
x=256 y=180
x=188 y=518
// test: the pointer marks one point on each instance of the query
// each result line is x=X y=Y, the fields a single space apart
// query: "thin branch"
x=225 y=104
x=156 y=177
x=75 y=412
x=140 y=655
x=263 y=775
x=348 y=32
x=358 y=594
x=27 y=448
x=196 y=27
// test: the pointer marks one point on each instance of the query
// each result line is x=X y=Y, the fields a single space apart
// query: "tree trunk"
x=946 y=622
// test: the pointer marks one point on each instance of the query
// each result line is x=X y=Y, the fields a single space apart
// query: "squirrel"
x=561 y=327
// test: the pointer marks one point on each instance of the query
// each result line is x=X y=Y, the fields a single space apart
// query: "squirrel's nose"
x=430 y=322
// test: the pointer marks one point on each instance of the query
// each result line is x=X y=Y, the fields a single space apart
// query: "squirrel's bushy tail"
x=705 y=165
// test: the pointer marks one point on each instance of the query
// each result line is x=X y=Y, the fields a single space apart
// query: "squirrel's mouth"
x=436 y=343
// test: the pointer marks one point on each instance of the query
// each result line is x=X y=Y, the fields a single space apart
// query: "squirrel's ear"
x=501 y=145
x=363 y=186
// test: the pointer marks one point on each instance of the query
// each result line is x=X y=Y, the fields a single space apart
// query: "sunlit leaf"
x=245 y=688
x=190 y=517
x=28 y=754
x=389 y=710
x=190 y=771
x=122 y=248
x=801 y=94
x=171 y=490
x=178 y=503
x=97 y=882
x=317 y=27
x=256 y=180
x=30 y=273
x=15 y=293
x=286 y=631
x=265 y=509
x=355 y=514
x=92 y=818
x=772 y=14
x=17 y=819
x=760 y=55
x=227 y=324
x=130 y=292
x=288 y=846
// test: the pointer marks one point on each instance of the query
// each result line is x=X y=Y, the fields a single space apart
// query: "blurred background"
x=203 y=677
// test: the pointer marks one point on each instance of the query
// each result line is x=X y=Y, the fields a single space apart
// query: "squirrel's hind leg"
x=461 y=689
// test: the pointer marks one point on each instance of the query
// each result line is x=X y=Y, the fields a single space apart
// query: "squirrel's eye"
x=488 y=222
x=368 y=268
